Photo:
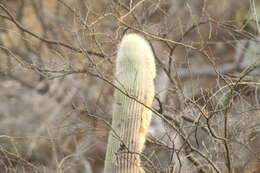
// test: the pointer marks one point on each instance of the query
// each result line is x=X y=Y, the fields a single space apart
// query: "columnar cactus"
x=135 y=71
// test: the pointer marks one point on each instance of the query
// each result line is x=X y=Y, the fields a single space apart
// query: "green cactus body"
x=135 y=71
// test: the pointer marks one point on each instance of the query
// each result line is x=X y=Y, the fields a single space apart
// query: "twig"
x=52 y=42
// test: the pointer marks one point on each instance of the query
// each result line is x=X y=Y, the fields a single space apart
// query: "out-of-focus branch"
x=209 y=70
x=52 y=42
x=155 y=36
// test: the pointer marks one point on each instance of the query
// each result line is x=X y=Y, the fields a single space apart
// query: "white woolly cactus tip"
x=135 y=50
x=135 y=71
x=134 y=75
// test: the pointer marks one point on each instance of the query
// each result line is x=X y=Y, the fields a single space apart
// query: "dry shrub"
x=56 y=86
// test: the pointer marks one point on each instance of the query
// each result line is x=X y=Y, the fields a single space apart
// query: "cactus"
x=135 y=71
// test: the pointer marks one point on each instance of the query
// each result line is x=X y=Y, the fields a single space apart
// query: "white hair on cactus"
x=135 y=71
x=136 y=50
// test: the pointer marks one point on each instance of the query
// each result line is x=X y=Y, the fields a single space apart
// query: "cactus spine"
x=135 y=71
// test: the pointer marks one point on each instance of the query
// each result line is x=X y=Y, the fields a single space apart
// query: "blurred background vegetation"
x=57 y=69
